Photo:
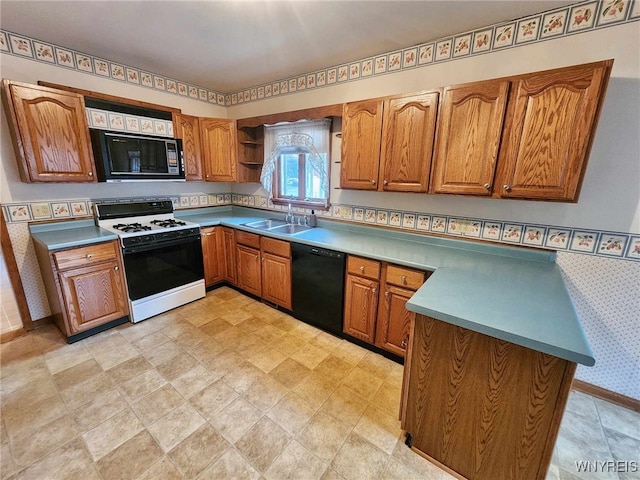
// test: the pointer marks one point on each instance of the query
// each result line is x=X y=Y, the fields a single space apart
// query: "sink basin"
x=290 y=229
x=266 y=224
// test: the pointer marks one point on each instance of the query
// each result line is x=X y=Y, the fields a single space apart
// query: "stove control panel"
x=160 y=237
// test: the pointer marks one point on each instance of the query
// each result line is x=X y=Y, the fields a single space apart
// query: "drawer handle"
x=404 y=279
x=362 y=269
x=89 y=255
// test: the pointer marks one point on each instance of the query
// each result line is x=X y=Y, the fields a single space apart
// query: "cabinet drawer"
x=79 y=257
x=248 y=239
x=363 y=267
x=276 y=247
x=404 y=277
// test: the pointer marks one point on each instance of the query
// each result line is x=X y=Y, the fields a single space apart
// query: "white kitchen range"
x=162 y=256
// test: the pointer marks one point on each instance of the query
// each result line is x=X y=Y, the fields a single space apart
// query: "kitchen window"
x=296 y=168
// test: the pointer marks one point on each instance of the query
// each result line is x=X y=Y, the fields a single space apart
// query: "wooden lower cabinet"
x=380 y=318
x=360 y=307
x=85 y=286
x=213 y=255
x=483 y=407
x=249 y=271
x=230 y=272
x=276 y=271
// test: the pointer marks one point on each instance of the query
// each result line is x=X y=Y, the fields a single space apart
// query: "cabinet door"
x=212 y=248
x=394 y=320
x=249 y=275
x=188 y=129
x=549 y=128
x=229 y=243
x=93 y=295
x=276 y=279
x=361 y=133
x=50 y=133
x=408 y=131
x=468 y=136
x=361 y=305
x=219 y=149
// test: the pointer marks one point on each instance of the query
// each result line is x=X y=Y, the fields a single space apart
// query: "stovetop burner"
x=132 y=227
x=168 y=223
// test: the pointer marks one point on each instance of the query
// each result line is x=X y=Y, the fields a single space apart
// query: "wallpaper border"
x=603 y=243
x=549 y=25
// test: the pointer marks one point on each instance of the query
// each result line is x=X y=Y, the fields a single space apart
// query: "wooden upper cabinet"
x=549 y=129
x=188 y=129
x=361 y=134
x=468 y=137
x=219 y=149
x=408 y=131
x=50 y=133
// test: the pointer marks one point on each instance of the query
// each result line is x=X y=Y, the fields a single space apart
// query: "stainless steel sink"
x=265 y=224
x=289 y=229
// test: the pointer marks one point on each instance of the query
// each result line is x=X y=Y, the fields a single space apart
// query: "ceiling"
x=230 y=45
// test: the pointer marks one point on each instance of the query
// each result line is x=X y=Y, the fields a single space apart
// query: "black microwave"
x=125 y=157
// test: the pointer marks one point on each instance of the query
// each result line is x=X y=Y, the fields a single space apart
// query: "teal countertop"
x=514 y=294
x=69 y=234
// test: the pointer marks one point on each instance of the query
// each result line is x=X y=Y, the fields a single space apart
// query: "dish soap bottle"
x=313 y=220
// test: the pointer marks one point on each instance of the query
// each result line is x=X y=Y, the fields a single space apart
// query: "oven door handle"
x=167 y=243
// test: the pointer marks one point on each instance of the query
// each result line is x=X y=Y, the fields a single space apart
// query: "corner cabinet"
x=468 y=137
x=50 y=133
x=250 y=153
x=550 y=125
x=188 y=129
x=219 y=149
x=85 y=287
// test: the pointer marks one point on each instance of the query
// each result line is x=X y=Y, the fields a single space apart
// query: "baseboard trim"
x=608 y=395
x=8 y=336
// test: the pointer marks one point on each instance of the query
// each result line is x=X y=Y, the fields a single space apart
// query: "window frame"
x=279 y=199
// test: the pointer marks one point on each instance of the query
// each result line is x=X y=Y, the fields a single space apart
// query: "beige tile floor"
x=228 y=388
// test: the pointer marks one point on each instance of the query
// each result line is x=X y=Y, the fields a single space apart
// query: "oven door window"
x=156 y=270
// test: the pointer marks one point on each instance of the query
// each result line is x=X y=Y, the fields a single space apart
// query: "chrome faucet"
x=289 y=218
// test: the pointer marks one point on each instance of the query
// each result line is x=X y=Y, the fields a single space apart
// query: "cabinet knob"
x=386 y=294
x=362 y=268
x=89 y=255
x=384 y=182
x=403 y=343
x=373 y=182
x=404 y=279
x=374 y=290
x=257 y=257
x=507 y=187
x=116 y=268
x=91 y=174
x=487 y=186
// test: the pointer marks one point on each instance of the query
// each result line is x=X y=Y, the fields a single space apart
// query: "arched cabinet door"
x=549 y=128
x=468 y=137
x=219 y=149
x=188 y=129
x=50 y=133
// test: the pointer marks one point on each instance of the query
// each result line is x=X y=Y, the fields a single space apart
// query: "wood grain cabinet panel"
x=219 y=149
x=276 y=279
x=93 y=295
x=230 y=272
x=468 y=136
x=409 y=124
x=213 y=255
x=249 y=271
x=394 y=320
x=360 y=307
x=550 y=124
x=483 y=407
x=361 y=136
x=188 y=129
x=50 y=133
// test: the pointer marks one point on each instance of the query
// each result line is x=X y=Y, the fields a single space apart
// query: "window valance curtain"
x=304 y=136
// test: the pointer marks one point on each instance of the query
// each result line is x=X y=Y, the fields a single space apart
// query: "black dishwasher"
x=318 y=286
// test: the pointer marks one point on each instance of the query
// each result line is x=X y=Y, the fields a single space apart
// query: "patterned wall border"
x=22 y=46
x=625 y=246
x=578 y=18
x=106 y=120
